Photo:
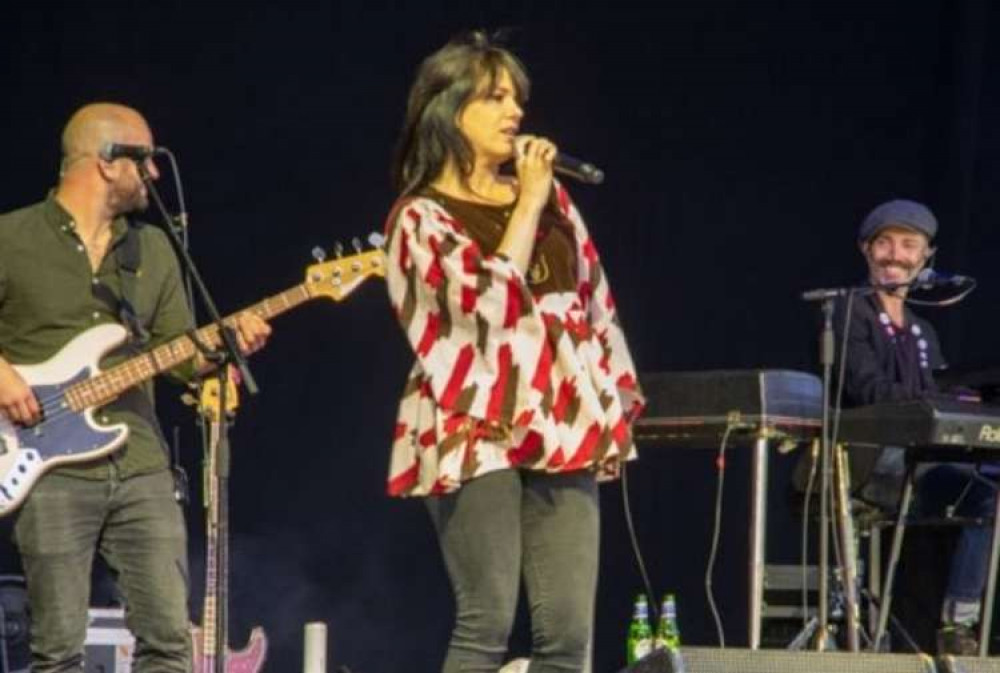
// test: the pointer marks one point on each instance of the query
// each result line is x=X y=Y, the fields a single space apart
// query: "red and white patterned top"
x=502 y=378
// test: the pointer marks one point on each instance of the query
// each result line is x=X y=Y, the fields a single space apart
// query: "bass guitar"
x=70 y=385
x=211 y=639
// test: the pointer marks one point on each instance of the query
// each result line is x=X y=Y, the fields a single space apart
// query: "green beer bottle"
x=668 y=635
x=640 y=635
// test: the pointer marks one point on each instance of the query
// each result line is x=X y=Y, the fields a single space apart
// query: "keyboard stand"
x=885 y=602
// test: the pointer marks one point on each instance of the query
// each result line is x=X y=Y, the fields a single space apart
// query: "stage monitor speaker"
x=657 y=661
x=950 y=664
x=109 y=644
x=732 y=660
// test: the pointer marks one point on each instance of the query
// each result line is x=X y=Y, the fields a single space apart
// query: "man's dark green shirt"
x=49 y=295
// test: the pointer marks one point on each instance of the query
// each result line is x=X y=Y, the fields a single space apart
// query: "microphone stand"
x=827 y=351
x=228 y=355
x=827 y=297
x=231 y=352
x=827 y=357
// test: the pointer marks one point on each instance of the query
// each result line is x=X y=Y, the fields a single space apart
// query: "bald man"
x=62 y=271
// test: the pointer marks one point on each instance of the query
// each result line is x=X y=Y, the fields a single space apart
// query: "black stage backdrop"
x=743 y=142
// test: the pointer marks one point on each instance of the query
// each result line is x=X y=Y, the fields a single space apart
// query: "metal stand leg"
x=849 y=552
x=986 y=619
x=897 y=545
x=874 y=575
x=758 y=538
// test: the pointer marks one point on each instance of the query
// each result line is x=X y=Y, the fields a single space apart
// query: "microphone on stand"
x=928 y=278
x=112 y=151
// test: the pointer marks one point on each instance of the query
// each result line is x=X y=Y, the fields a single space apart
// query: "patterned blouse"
x=503 y=378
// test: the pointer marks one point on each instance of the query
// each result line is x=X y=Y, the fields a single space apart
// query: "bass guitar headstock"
x=336 y=278
x=210 y=398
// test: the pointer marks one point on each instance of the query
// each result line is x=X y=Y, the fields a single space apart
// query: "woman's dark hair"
x=445 y=82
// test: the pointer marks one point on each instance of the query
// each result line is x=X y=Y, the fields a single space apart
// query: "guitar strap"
x=128 y=254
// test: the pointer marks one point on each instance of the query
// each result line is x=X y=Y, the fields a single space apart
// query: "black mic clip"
x=112 y=151
x=828 y=293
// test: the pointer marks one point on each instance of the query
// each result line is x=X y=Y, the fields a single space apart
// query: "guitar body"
x=64 y=436
x=248 y=660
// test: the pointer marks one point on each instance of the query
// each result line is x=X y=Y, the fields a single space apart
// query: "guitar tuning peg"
x=319 y=254
x=356 y=244
x=338 y=249
x=376 y=240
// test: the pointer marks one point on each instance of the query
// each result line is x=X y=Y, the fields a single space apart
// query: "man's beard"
x=132 y=200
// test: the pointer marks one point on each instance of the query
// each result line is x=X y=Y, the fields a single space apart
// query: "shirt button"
x=94 y=281
x=95 y=315
x=79 y=247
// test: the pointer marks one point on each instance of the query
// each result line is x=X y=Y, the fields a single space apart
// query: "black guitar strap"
x=128 y=254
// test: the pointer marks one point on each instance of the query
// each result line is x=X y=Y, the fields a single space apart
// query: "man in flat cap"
x=891 y=356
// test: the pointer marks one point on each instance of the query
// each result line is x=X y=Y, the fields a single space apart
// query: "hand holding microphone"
x=533 y=159
x=570 y=166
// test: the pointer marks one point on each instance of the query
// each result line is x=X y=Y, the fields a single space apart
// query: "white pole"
x=314 y=657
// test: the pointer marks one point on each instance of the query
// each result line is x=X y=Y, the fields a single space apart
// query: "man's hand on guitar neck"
x=252 y=334
x=17 y=401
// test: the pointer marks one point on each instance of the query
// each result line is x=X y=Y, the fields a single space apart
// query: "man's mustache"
x=898 y=265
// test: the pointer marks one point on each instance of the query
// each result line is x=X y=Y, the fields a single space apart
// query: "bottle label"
x=643 y=646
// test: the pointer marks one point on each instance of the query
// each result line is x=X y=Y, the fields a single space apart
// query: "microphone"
x=578 y=169
x=570 y=166
x=112 y=151
x=824 y=293
x=929 y=278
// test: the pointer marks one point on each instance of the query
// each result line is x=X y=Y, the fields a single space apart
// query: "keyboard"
x=696 y=408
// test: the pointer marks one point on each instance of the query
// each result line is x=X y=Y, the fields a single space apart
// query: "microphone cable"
x=713 y=551
x=947 y=301
x=654 y=609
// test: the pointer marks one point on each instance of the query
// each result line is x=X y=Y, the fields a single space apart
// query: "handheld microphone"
x=928 y=278
x=112 y=151
x=578 y=169
x=570 y=166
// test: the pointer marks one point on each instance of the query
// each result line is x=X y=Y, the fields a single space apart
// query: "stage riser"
x=732 y=660
x=968 y=665
x=711 y=660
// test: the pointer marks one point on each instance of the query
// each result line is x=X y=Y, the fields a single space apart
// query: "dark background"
x=743 y=143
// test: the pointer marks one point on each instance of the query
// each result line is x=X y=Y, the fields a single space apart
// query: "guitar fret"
x=149 y=363
x=72 y=399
